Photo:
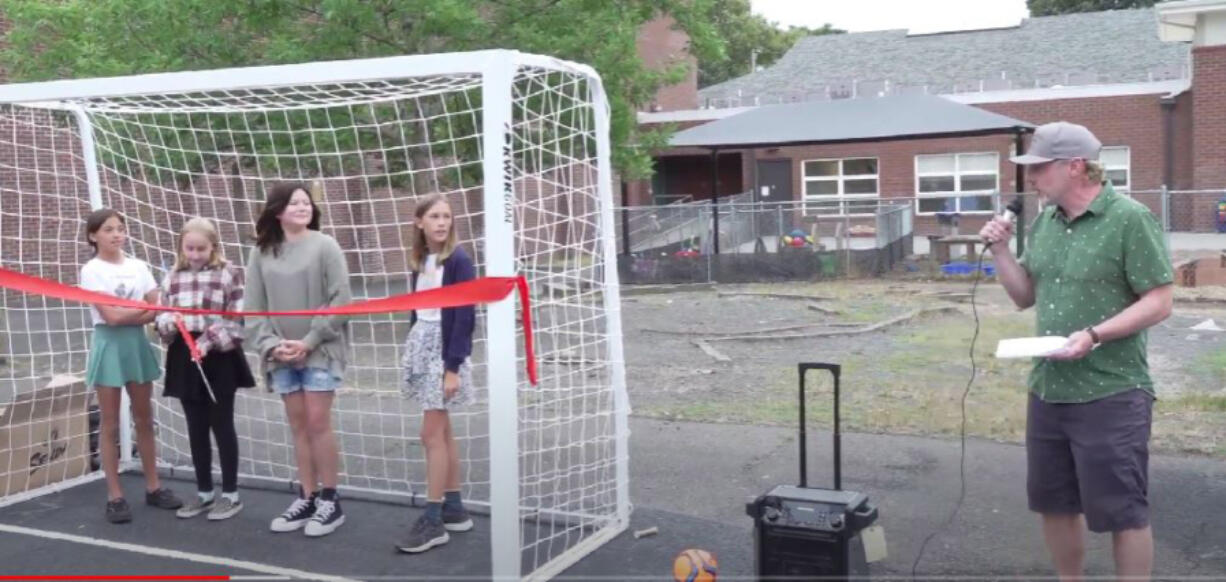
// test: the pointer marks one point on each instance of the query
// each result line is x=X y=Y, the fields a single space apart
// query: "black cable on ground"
x=962 y=455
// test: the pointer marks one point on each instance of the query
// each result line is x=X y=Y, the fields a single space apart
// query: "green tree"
x=1053 y=7
x=93 y=38
x=744 y=32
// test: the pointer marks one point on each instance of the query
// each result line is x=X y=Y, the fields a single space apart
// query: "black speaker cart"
x=802 y=531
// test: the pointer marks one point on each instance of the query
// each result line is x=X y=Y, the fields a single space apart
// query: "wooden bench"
x=941 y=246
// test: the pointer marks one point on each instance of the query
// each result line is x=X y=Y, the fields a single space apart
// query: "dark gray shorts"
x=1091 y=458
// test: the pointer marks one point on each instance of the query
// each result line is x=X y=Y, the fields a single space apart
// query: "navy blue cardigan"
x=457 y=322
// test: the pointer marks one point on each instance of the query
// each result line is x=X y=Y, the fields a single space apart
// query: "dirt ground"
x=905 y=378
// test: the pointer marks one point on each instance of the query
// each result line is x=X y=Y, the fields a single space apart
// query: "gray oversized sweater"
x=308 y=273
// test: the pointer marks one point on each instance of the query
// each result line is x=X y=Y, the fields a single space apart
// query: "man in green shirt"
x=1098 y=272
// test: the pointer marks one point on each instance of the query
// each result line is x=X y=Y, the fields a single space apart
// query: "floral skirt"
x=423 y=369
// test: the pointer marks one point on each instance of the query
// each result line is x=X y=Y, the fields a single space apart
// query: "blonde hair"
x=1094 y=172
x=205 y=227
x=417 y=253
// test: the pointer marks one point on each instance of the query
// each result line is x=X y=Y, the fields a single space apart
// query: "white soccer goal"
x=519 y=143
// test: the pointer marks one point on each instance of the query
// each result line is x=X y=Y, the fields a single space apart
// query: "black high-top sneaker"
x=328 y=515
x=297 y=515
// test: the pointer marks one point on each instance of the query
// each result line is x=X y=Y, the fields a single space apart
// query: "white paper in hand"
x=1029 y=347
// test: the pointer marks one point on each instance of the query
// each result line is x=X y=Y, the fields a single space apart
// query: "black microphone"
x=1012 y=211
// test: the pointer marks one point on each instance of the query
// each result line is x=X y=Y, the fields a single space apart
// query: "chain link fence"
x=738 y=239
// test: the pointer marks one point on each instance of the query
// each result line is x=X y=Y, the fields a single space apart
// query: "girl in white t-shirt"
x=121 y=356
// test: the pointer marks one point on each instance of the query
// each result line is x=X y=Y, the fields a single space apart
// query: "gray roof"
x=893 y=117
x=1117 y=46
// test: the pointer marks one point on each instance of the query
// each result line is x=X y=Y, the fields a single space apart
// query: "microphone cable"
x=1013 y=210
x=962 y=447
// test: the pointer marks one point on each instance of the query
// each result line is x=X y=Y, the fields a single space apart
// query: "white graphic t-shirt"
x=130 y=279
x=431 y=277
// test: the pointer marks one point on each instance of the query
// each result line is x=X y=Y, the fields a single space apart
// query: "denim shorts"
x=290 y=380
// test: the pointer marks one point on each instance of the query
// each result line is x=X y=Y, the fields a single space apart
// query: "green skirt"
x=121 y=354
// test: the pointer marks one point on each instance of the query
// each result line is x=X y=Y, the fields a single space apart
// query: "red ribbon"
x=475 y=292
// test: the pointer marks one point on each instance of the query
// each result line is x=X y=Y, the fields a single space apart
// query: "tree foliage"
x=1054 y=7
x=743 y=33
x=96 y=38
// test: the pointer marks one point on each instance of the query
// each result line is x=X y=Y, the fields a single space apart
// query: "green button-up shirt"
x=1084 y=272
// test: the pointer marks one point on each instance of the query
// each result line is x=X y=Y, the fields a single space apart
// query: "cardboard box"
x=44 y=436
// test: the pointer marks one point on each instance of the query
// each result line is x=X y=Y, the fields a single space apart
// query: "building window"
x=961 y=183
x=1116 y=164
x=840 y=187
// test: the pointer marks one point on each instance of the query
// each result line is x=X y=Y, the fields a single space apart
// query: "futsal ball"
x=694 y=566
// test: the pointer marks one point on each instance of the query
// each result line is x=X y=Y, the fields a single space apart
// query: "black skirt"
x=227 y=372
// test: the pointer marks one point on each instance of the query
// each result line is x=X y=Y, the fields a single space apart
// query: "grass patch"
x=868 y=303
x=910 y=378
x=1193 y=403
x=911 y=383
x=921 y=379
x=1211 y=364
x=773 y=402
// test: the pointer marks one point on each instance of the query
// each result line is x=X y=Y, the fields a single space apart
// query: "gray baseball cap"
x=1060 y=140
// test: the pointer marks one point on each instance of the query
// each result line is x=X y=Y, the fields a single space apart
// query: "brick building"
x=1151 y=83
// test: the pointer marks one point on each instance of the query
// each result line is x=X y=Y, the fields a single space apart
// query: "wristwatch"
x=1094 y=336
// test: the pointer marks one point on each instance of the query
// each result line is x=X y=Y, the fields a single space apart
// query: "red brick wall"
x=1137 y=121
x=1134 y=121
x=895 y=166
x=1184 y=154
x=43 y=196
x=1198 y=159
x=1209 y=106
x=638 y=193
x=692 y=175
x=660 y=46
x=44 y=200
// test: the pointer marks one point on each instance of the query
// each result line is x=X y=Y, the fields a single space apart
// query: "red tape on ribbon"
x=480 y=291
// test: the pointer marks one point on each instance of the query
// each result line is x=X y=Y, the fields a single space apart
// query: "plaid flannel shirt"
x=219 y=287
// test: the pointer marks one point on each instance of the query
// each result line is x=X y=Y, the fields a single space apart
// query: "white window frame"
x=957 y=193
x=1127 y=167
x=841 y=197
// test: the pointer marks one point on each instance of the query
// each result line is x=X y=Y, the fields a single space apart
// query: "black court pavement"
x=690 y=481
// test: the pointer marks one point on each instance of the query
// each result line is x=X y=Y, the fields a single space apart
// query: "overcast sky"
x=916 y=15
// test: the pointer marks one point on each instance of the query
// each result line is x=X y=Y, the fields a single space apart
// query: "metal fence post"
x=1166 y=216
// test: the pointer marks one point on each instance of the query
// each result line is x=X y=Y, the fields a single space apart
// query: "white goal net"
x=519 y=144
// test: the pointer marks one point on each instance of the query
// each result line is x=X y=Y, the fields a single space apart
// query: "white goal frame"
x=497 y=69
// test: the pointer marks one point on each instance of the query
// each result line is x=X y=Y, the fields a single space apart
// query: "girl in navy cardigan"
x=437 y=372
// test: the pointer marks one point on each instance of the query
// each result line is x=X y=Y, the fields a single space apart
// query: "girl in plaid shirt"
x=203 y=279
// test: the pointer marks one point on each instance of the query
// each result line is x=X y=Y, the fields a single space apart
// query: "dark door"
x=774 y=186
x=774 y=181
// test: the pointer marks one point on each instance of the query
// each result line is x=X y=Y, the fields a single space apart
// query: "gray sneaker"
x=117 y=511
x=456 y=519
x=422 y=536
x=225 y=509
x=163 y=498
x=196 y=507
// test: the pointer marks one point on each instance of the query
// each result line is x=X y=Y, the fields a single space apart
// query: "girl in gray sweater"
x=294 y=267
